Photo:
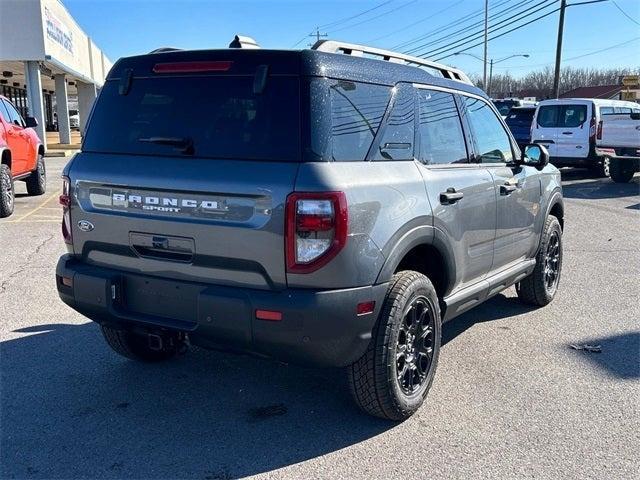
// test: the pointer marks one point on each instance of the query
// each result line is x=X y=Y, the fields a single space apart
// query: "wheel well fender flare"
x=556 y=202
x=5 y=154
x=410 y=239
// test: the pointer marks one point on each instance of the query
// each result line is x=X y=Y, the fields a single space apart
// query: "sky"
x=595 y=35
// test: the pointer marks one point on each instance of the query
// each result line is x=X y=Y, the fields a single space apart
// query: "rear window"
x=504 y=106
x=517 y=115
x=216 y=117
x=562 y=116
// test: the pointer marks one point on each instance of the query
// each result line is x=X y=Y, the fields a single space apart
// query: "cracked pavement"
x=511 y=398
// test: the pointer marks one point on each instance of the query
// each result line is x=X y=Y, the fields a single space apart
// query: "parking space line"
x=34 y=220
x=37 y=208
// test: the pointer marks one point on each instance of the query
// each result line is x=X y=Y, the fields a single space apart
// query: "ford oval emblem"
x=85 y=225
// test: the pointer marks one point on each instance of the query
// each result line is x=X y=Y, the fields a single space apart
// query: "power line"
x=386 y=35
x=493 y=28
x=506 y=11
x=338 y=22
x=595 y=52
x=446 y=27
x=505 y=33
x=625 y=13
x=375 y=17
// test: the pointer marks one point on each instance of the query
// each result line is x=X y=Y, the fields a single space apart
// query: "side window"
x=14 y=116
x=548 y=116
x=573 y=116
x=440 y=129
x=622 y=110
x=491 y=139
x=4 y=114
x=397 y=139
x=606 y=110
x=356 y=112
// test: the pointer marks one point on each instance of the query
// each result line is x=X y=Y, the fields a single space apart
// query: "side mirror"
x=31 y=122
x=635 y=115
x=535 y=155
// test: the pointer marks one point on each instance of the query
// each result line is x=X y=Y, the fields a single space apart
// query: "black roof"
x=293 y=62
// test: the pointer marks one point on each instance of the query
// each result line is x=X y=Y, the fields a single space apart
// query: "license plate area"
x=161 y=298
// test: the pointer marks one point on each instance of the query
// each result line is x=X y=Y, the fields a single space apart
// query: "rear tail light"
x=592 y=129
x=599 y=132
x=65 y=201
x=316 y=229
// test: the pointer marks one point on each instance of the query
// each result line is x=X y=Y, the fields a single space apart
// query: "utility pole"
x=318 y=34
x=486 y=26
x=556 y=76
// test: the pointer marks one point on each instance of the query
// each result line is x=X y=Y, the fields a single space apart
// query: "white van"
x=586 y=132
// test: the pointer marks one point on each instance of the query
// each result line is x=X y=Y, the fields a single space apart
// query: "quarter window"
x=356 y=112
x=440 y=130
x=491 y=139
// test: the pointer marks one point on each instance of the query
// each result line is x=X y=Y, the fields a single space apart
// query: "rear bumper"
x=318 y=327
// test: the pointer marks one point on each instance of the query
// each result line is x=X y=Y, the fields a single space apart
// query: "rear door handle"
x=567 y=133
x=450 y=196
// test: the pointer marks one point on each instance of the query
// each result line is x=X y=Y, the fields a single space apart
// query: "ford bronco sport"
x=316 y=206
x=21 y=156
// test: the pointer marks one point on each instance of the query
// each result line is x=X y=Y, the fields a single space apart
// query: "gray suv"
x=318 y=206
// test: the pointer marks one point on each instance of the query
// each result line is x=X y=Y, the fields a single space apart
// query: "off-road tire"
x=619 y=173
x=7 y=193
x=135 y=347
x=534 y=289
x=372 y=379
x=602 y=169
x=37 y=181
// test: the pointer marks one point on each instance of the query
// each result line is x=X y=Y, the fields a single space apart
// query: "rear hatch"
x=186 y=165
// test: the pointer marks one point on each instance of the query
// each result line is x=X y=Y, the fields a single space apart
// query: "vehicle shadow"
x=597 y=188
x=495 y=308
x=72 y=409
x=620 y=355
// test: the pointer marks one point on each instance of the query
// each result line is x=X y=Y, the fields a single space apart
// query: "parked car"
x=21 y=154
x=504 y=105
x=74 y=121
x=519 y=122
x=618 y=136
x=315 y=206
x=572 y=130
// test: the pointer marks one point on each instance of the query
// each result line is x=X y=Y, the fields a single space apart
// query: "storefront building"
x=46 y=60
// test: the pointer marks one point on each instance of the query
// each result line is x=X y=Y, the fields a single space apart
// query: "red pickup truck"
x=21 y=156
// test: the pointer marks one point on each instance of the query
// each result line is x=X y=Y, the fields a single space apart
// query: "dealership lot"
x=511 y=397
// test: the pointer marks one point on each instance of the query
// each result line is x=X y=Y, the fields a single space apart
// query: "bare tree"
x=539 y=83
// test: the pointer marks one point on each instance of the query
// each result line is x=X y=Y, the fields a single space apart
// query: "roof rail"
x=334 y=46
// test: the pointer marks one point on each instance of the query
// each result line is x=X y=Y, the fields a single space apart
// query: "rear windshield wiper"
x=185 y=145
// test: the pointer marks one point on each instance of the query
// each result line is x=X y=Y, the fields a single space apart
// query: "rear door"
x=572 y=137
x=545 y=127
x=461 y=193
x=185 y=172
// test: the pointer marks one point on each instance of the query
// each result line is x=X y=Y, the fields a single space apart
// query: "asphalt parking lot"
x=511 y=399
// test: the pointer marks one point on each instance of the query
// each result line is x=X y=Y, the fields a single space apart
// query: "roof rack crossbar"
x=334 y=46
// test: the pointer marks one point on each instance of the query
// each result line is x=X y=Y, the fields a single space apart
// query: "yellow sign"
x=631 y=80
x=629 y=95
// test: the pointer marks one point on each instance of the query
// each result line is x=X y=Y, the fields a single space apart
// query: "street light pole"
x=556 y=75
x=487 y=86
x=486 y=25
